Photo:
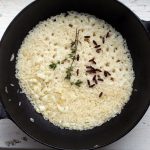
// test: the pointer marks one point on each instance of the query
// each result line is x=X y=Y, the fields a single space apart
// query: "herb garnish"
x=97 y=46
x=73 y=57
x=89 y=84
x=92 y=60
x=106 y=73
x=69 y=72
x=98 y=50
x=78 y=57
x=94 y=42
x=54 y=65
x=77 y=72
x=94 y=79
x=103 y=40
x=99 y=78
x=86 y=37
x=101 y=93
x=78 y=83
x=108 y=35
x=92 y=70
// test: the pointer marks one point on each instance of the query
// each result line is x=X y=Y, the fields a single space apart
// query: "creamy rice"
x=101 y=78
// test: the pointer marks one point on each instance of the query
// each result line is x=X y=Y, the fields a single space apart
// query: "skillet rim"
x=17 y=122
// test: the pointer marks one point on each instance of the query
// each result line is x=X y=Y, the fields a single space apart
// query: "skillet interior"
x=139 y=44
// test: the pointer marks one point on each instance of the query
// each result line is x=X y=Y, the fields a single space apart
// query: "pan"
x=122 y=19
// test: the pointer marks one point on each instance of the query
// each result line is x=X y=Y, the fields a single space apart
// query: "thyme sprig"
x=69 y=73
x=72 y=55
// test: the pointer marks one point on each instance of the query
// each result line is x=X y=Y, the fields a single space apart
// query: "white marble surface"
x=137 y=139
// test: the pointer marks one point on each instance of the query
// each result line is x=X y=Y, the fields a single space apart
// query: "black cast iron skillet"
x=138 y=40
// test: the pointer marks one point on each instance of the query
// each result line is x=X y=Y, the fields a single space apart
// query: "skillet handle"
x=147 y=25
x=3 y=114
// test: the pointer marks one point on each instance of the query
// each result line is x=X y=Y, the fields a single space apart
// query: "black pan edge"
x=113 y=140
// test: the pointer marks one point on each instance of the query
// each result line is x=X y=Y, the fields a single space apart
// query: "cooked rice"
x=63 y=104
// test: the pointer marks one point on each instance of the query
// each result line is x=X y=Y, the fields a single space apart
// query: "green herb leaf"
x=64 y=60
x=72 y=56
x=78 y=83
x=53 y=65
x=72 y=44
x=69 y=72
x=73 y=50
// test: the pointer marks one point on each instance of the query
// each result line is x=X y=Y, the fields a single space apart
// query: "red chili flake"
x=97 y=46
x=92 y=85
x=103 y=40
x=98 y=70
x=88 y=82
x=94 y=42
x=78 y=57
x=92 y=69
x=101 y=93
x=77 y=72
x=106 y=73
x=99 y=78
x=98 y=50
x=92 y=60
x=86 y=36
x=94 y=79
x=108 y=35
